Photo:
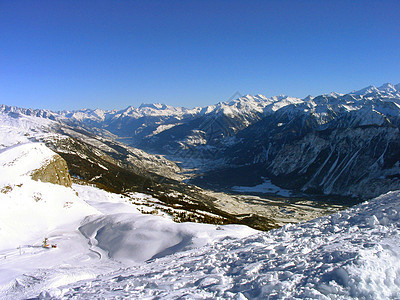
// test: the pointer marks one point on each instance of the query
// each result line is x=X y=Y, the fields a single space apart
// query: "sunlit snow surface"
x=350 y=254
x=266 y=187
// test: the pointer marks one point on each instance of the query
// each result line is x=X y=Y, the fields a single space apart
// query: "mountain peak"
x=279 y=97
x=384 y=88
x=387 y=87
x=308 y=98
x=333 y=94
x=153 y=105
x=367 y=90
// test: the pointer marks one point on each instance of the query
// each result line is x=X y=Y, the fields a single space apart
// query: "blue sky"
x=111 y=54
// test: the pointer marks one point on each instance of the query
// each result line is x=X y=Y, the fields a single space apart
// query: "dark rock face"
x=55 y=171
x=350 y=154
x=361 y=162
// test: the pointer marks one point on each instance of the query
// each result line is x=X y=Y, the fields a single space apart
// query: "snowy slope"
x=116 y=235
x=103 y=240
x=29 y=209
x=96 y=232
x=17 y=128
x=352 y=254
x=22 y=159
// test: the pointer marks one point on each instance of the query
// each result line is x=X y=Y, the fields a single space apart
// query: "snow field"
x=99 y=244
x=266 y=187
x=352 y=254
x=22 y=159
x=20 y=128
x=131 y=237
x=96 y=232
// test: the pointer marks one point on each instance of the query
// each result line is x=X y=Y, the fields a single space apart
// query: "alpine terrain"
x=333 y=144
x=256 y=197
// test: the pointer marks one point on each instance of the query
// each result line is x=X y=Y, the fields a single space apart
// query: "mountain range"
x=332 y=144
x=106 y=204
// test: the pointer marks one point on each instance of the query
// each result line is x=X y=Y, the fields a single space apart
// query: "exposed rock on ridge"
x=55 y=171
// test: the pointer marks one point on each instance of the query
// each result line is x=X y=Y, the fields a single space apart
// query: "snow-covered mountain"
x=105 y=248
x=150 y=126
x=61 y=237
x=98 y=159
x=335 y=144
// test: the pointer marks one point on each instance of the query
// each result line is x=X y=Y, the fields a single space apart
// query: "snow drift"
x=352 y=254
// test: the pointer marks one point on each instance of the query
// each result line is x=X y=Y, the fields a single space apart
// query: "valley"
x=277 y=181
x=333 y=144
x=101 y=160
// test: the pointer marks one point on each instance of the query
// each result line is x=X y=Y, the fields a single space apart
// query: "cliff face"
x=361 y=162
x=352 y=155
x=55 y=171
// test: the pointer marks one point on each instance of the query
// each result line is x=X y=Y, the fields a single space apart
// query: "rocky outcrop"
x=55 y=171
